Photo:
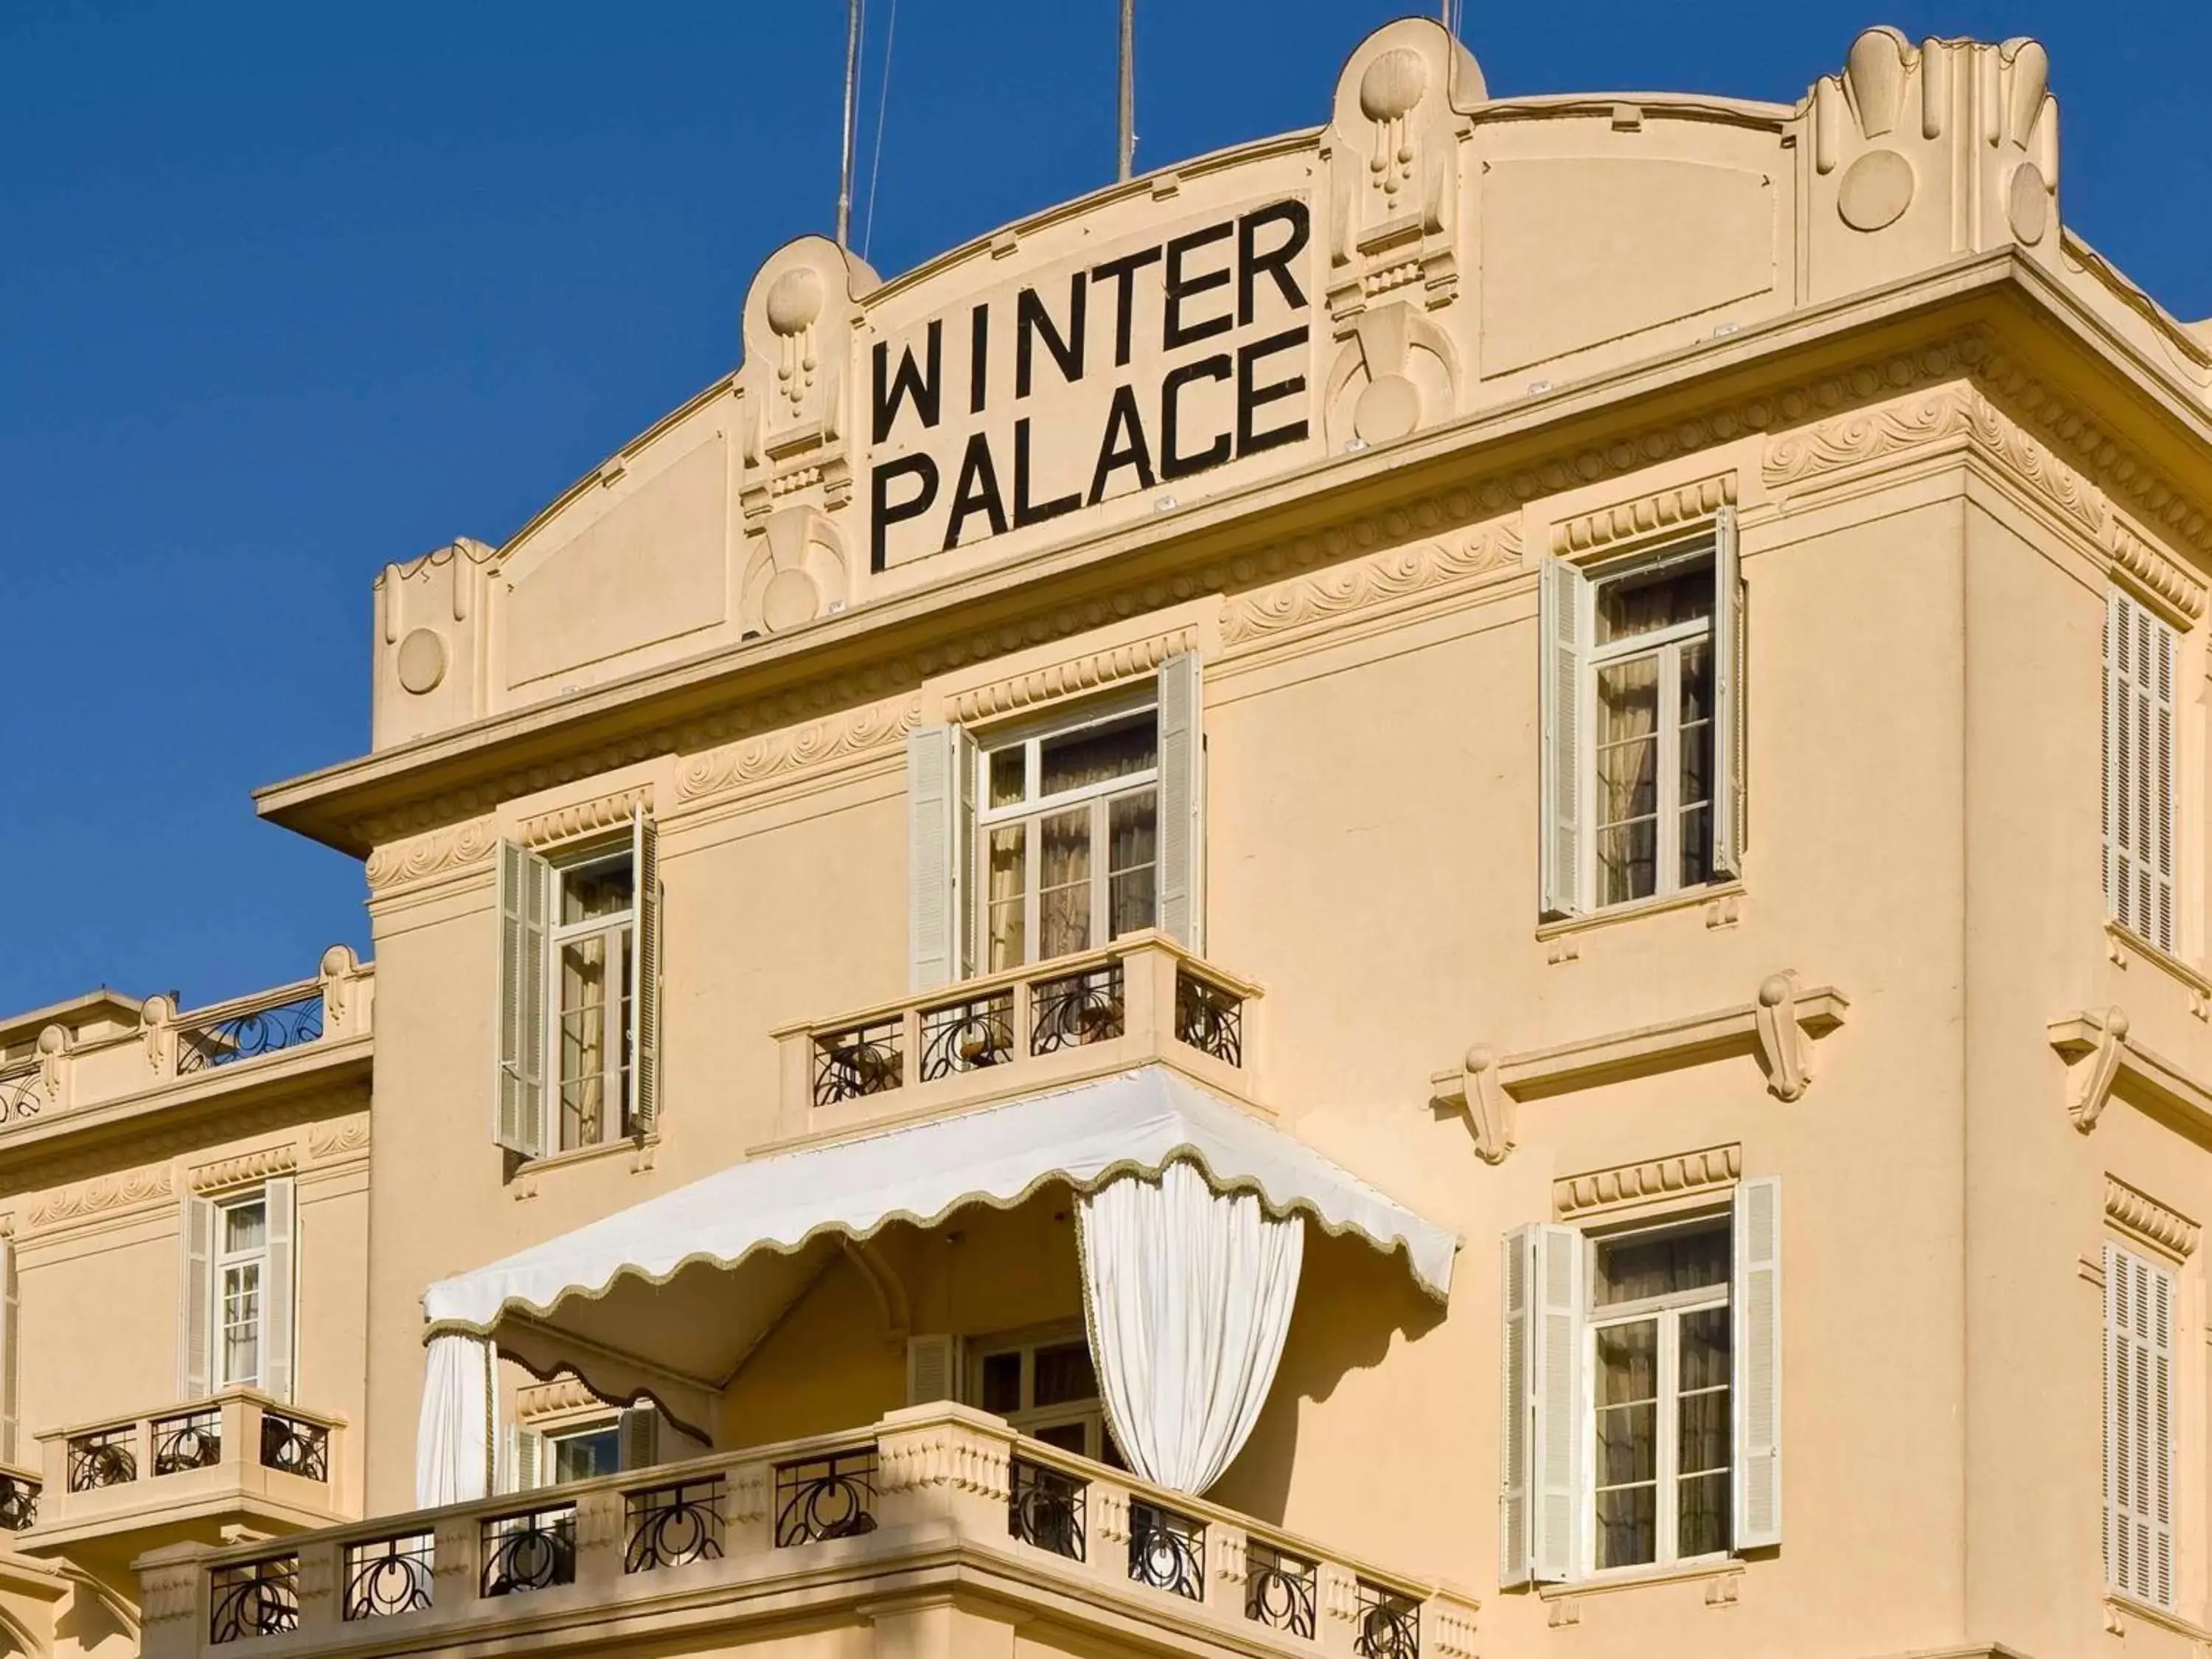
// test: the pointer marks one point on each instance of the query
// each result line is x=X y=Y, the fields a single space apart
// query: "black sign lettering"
x=909 y=382
x=1174 y=464
x=1122 y=272
x=1276 y=261
x=883 y=513
x=1031 y=323
x=1023 y=512
x=976 y=492
x=1174 y=332
x=1252 y=397
x=1124 y=446
x=979 y=358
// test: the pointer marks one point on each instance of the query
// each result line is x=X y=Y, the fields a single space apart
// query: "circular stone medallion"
x=1877 y=189
x=789 y=600
x=2028 y=203
x=422 y=661
x=1389 y=408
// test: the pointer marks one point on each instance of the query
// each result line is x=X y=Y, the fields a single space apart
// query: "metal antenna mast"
x=1128 y=123
x=852 y=102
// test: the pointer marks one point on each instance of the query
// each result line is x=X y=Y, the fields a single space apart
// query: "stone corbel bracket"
x=2100 y=1055
x=1778 y=1025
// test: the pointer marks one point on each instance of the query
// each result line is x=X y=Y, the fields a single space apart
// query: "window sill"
x=2123 y=942
x=2119 y=1608
x=1717 y=1573
x=1725 y=896
x=523 y=1183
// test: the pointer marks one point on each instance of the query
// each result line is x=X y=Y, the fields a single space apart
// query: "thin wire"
x=883 y=103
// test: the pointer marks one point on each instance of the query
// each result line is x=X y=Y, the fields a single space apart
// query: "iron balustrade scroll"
x=253 y=1598
x=291 y=1445
x=193 y=1441
x=250 y=1035
x=19 y=1094
x=966 y=1036
x=19 y=1501
x=1076 y=1009
x=1045 y=1508
x=1281 y=1589
x=1389 y=1624
x=1209 y=1018
x=675 y=1525
x=822 y=1497
x=102 y=1459
x=1167 y=1551
x=861 y=1060
x=390 y=1576
x=533 y=1551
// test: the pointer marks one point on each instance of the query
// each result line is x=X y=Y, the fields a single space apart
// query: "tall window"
x=2140 y=653
x=2138 y=1393
x=1651 y=693
x=1048 y=1390
x=241 y=1270
x=1070 y=837
x=590 y=989
x=1660 y=1357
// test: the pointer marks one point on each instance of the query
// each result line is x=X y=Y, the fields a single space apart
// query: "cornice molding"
x=2137 y=1213
x=2180 y=591
x=246 y=1167
x=564 y=1395
x=1094 y=671
x=1705 y=1170
x=1645 y=515
x=1366 y=583
x=126 y=1189
x=442 y=852
x=739 y=766
x=586 y=817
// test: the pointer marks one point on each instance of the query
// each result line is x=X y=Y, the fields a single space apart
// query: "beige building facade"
x=1435 y=888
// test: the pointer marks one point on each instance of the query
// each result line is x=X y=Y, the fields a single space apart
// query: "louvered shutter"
x=519 y=1123
x=2140 y=662
x=932 y=1368
x=1183 y=802
x=1728 y=697
x=195 y=1320
x=280 y=1287
x=1756 y=1385
x=940 y=791
x=1514 y=1398
x=1556 y=1428
x=1561 y=788
x=2138 y=1397
x=641 y=1438
x=11 y=1362
x=645 y=976
x=524 y=1456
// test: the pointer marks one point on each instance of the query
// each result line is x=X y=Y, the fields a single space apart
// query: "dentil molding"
x=246 y=1167
x=1094 y=671
x=2138 y=1214
x=1711 y=1170
x=1645 y=515
x=586 y=817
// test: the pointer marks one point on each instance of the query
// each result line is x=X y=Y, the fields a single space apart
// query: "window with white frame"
x=579 y=981
x=1642 y=769
x=1642 y=1393
x=241 y=1266
x=554 y=1449
x=2138 y=1401
x=237 y=1307
x=2140 y=793
x=1047 y=1390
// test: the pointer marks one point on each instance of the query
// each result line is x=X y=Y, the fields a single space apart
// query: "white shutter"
x=2140 y=662
x=1514 y=1398
x=645 y=975
x=519 y=1121
x=526 y=1462
x=2138 y=1396
x=194 y=1318
x=1728 y=697
x=940 y=791
x=1183 y=802
x=932 y=1368
x=280 y=1286
x=1560 y=620
x=1556 y=1429
x=641 y=1439
x=11 y=1365
x=1756 y=1385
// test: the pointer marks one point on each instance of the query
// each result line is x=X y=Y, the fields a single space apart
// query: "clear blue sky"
x=290 y=291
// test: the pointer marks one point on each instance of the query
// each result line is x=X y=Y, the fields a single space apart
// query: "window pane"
x=592 y=890
x=1701 y=1525
x=1064 y=884
x=1628 y=779
x=1132 y=854
x=1064 y=1373
x=590 y=1036
x=1628 y=1527
x=1629 y=606
x=1002 y=1383
x=1005 y=924
x=1007 y=766
x=1637 y=1267
x=580 y=1456
x=1696 y=768
x=244 y=1227
x=1068 y=1436
x=241 y=1323
x=1628 y=861
x=1099 y=752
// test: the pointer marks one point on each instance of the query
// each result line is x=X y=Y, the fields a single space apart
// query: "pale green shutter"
x=1728 y=698
x=519 y=1124
x=1515 y=1409
x=1560 y=760
x=2140 y=662
x=280 y=1269
x=195 y=1318
x=2138 y=1398
x=645 y=976
x=1183 y=802
x=1756 y=1297
x=11 y=1361
x=641 y=1440
x=1557 y=1429
x=940 y=768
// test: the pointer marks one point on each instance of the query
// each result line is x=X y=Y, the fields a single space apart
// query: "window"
x=582 y=1444
x=580 y=1454
x=242 y=1238
x=2140 y=793
x=236 y=1305
x=578 y=983
x=2138 y=1397
x=1640 y=750
x=1642 y=1395
x=1048 y=1390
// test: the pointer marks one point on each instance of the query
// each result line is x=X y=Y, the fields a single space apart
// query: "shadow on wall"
x=1352 y=1300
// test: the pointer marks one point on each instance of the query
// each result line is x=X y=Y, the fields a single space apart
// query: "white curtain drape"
x=459 y=1426
x=1189 y=1295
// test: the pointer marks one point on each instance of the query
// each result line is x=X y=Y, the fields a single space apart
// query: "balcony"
x=1142 y=1000
x=938 y=1512
x=114 y=1488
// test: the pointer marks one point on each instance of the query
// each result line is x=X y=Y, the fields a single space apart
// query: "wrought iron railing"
x=1045 y=1508
x=1167 y=1549
x=1209 y=1018
x=1079 y=1008
x=1389 y=1624
x=862 y=1060
x=675 y=1525
x=192 y=1440
x=533 y=1551
x=253 y=1598
x=1281 y=1589
x=19 y=1501
x=291 y=1445
x=966 y=1036
x=819 y=1498
x=249 y=1033
x=20 y=1093
x=105 y=1457
x=389 y=1575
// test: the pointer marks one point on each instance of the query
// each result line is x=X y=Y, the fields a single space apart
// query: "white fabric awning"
x=1134 y=1122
